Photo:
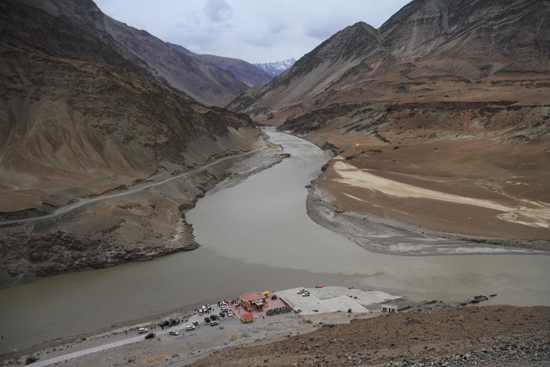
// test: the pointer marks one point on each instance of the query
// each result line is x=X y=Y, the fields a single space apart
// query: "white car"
x=190 y=327
x=174 y=332
x=297 y=310
x=214 y=323
x=142 y=330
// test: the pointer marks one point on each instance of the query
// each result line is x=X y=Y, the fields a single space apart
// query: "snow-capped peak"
x=276 y=68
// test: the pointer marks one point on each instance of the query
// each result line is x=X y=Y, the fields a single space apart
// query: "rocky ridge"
x=193 y=79
x=276 y=68
x=243 y=71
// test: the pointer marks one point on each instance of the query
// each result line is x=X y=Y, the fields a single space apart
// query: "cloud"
x=320 y=31
x=218 y=10
x=252 y=30
x=278 y=27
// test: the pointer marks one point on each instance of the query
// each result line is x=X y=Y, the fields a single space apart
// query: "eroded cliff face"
x=82 y=131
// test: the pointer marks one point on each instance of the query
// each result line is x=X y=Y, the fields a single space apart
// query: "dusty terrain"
x=425 y=333
x=466 y=186
x=490 y=336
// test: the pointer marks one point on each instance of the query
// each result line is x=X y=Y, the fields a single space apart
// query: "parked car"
x=150 y=336
x=172 y=322
x=213 y=317
x=190 y=327
x=143 y=330
x=207 y=319
x=196 y=323
x=214 y=323
x=174 y=332
x=229 y=313
x=222 y=314
x=297 y=310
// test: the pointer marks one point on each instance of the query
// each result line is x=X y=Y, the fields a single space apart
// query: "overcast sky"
x=256 y=31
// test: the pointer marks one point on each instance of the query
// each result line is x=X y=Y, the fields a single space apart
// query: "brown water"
x=257 y=236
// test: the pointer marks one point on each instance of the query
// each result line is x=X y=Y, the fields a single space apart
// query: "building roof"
x=252 y=296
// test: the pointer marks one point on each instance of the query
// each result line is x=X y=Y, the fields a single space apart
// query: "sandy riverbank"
x=391 y=236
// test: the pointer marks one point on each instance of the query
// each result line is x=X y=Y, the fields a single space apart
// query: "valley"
x=139 y=179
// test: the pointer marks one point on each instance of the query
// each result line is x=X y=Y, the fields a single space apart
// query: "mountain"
x=462 y=41
x=243 y=71
x=276 y=68
x=447 y=96
x=79 y=121
x=191 y=78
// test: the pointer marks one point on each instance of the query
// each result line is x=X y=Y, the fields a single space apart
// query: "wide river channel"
x=256 y=236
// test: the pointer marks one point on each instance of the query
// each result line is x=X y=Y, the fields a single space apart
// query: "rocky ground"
x=429 y=333
x=450 y=336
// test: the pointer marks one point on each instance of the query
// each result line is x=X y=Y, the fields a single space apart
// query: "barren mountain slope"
x=448 y=96
x=73 y=131
x=193 y=79
x=243 y=71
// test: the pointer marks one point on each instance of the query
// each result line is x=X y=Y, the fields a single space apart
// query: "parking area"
x=334 y=299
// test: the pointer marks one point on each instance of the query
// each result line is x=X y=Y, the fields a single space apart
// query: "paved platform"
x=334 y=299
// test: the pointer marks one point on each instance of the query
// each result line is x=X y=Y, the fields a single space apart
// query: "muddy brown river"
x=257 y=236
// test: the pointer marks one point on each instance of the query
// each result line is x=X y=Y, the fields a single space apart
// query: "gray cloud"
x=218 y=10
x=252 y=30
x=321 y=31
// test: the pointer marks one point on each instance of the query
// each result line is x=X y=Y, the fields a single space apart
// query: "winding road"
x=83 y=202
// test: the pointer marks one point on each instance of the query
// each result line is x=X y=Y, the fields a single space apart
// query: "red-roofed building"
x=247 y=317
x=253 y=301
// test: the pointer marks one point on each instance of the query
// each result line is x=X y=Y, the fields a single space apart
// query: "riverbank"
x=468 y=188
x=258 y=227
x=390 y=236
x=140 y=222
x=330 y=304
x=422 y=332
